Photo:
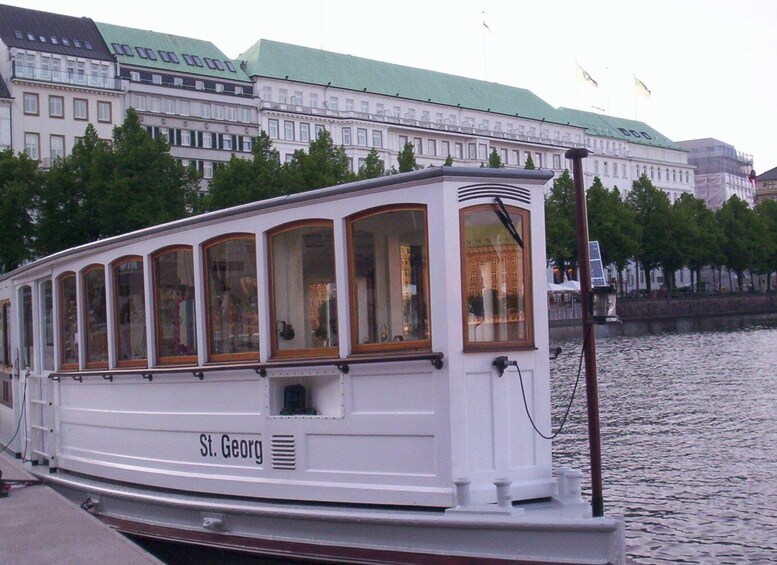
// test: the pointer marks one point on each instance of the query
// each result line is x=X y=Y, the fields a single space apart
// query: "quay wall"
x=696 y=306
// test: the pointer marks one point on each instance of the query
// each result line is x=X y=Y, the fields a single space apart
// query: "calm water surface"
x=689 y=438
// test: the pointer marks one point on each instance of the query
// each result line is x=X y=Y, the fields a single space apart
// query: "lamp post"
x=589 y=334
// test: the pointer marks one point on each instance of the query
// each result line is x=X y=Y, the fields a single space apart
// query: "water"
x=689 y=438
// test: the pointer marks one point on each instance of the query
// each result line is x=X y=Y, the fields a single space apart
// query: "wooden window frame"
x=324 y=352
x=170 y=359
x=393 y=346
x=115 y=306
x=85 y=321
x=529 y=342
x=61 y=321
x=226 y=357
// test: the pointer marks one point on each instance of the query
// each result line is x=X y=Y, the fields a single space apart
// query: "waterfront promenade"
x=39 y=526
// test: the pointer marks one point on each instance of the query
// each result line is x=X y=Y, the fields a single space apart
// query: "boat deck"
x=37 y=525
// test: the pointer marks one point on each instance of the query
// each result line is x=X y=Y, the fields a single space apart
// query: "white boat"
x=311 y=375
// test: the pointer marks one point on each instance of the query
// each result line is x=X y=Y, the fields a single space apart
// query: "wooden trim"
x=85 y=342
x=356 y=347
x=527 y=273
x=5 y=313
x=115 y=304
x=206 y=246
x=169 y=359
x=310 y=352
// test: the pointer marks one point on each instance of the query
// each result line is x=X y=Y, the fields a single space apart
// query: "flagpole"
x=635 y=97
x=577 y=84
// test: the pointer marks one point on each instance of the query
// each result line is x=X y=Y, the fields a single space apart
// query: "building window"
x=272 y=128
x=177 y=81
x=361 y=137
x=313 y=100
x=5 y=334
x=186 y=138
x=218 y=112
x=57 y=147
x=219 y=87
x=231 y=298
x=418 y=146
x=56 y=107
x=199 y=85
x=304 y=132
x=333 y=103
x=288 y=130
x=156 y=79
x=303 y=294
x=80 y=109
x=431 y=147
x=459 y=150
x=377 y=138
x=346 y=136
x=32 y=145
x=207 y=140
x=319 y=130
x=283 y=95
x=134 y=76
x=606 y=169
x=68 y=321
x=389 y=280
x=365 y=107
x=557 y=162
x=349 y=104
x=103 y=111
x=207 y=169
x=31 y=104
x=538 y=160
x=226 y=142
x=130 y=308
x=95 y=335
x=245 y=115
x=27 y=333
x=472 y=151
x=445 y=148
x=247 y=143
x=183 y=107
x=176 y=324
x=496 y=273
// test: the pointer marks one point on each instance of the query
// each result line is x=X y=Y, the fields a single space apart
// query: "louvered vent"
x=284 y=452
x=503 y=191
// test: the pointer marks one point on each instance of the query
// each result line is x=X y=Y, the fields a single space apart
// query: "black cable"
x=19 y=423
x=571 y=398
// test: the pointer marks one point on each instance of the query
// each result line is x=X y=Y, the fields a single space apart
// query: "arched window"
x=302 y=287
x=497 y=306
x=176 y=324
x=95 y=317
x=68 y=321
x=130 y=307
x=389 y=279
x=231 y=298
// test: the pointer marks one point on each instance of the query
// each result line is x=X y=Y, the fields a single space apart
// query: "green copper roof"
x=273 y=59
x=621 y=129
x=133 y=38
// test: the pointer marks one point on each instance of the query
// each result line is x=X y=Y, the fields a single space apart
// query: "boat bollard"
x=563 y=486
x=462 y=492
x=503 y=496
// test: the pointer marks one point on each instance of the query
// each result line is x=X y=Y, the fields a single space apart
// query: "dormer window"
x=230 y=66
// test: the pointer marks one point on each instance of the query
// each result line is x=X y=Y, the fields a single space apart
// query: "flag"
x=641 y=87
x=485 y=25
x=585 y=76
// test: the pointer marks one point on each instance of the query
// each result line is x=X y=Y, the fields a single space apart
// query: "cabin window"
x=26 y=333
x=68 y=321
x=130 y=304
x=176 y=326
x=389 y=280
x=47 y=323
x=231 y=296
x=496 y=279
x=5 y=334
x=303 y=291
x=95 y=317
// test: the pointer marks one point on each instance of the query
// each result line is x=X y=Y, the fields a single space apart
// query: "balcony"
x=86 y=80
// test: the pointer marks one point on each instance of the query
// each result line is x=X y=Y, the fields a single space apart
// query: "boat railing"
x=198 y=371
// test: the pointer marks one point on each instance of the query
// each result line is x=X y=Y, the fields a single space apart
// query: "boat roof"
x=298 y=198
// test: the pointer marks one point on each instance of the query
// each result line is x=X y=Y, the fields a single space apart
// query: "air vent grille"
x=284 y=452
x=503 y=191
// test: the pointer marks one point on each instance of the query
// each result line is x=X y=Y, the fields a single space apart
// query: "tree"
x=529 y=162
x=240 y=180
x=613 y=224
x=736 y=221
x=701 y=235
x=142 y=184
x=560 y=233
x=19 y=184
x=494 y=160
x=372 y=167
x=406 y=159
x=652 y=208
x=321 y=166
x=767 y=211
x=448 y=161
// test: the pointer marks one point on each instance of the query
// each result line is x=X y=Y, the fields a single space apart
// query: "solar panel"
x=598 y=277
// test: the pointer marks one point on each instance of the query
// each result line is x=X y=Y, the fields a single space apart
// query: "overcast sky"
x=711 y=65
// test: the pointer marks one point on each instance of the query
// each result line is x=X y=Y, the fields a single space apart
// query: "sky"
x=710 y=65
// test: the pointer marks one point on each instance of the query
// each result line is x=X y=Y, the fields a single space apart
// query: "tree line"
x=646 y=229
x=106 y=188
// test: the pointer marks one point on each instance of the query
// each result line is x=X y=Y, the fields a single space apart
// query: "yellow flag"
x=639 y=85
x=585 y=77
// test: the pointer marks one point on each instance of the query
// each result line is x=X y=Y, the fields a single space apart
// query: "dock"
x=37 y=525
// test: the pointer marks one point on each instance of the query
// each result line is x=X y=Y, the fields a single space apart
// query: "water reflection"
x=689 y=436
